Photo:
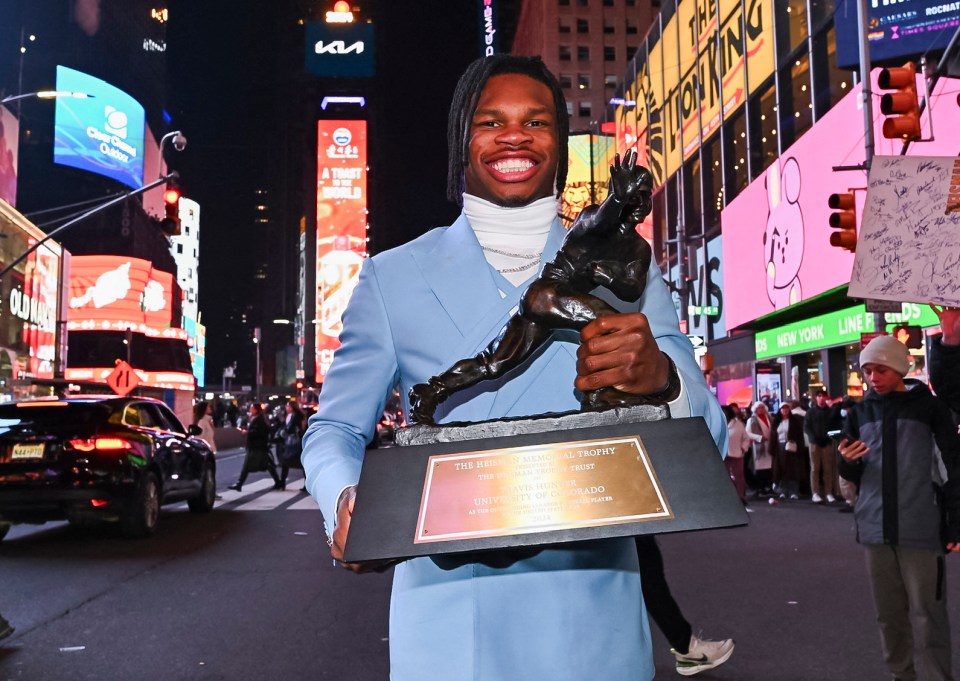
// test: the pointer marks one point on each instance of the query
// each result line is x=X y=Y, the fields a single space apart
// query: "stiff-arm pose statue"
x=602 y=248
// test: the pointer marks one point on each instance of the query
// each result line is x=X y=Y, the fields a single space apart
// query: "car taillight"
x=100 y=444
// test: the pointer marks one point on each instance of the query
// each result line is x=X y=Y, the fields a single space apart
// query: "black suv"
x=99 y=457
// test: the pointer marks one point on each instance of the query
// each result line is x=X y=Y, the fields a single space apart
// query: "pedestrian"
x=554 y=612
x=900 y=445
x=759 y=430
x=945 y=357
x=788 y=448
x=258 y=449
x=738 y=447
x=693 y=654
x=821 y=418
x=294 y=425
x=203 y=419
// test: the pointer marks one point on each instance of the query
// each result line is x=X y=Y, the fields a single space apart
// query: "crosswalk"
x=259 y=495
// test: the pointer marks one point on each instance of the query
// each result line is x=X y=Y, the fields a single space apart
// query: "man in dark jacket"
x=901 y=447
x=945 y=358
x=822 y=417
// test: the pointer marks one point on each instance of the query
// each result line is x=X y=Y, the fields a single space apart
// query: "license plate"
x=27 y=452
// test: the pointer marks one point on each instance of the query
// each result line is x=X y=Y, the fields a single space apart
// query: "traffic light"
x=844 y=220
x=901 y=105
x=171 y=204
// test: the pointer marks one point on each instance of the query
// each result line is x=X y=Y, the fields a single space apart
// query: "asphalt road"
x=248 y=592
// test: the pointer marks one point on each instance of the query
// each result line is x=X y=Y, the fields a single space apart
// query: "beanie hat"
x=887 y=351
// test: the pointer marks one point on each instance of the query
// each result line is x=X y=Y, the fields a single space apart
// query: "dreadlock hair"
x=464 y=104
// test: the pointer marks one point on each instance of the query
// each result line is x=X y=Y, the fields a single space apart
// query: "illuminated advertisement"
x=896 y=30
x=709 y=58
x=777 y=229
x=588 y=173
x=29 y=297
x=119 y=293
x=198 y=348
x=171 y=380
x=488 y=27
x=341 y=227
x=9 y=143
x=339 y=49
x=103 y=133
x=705 y=299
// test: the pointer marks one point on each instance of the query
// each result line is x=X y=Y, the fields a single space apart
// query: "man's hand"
x=620 y=351
x=851 y=451
x=949 y=323
x=339 y=541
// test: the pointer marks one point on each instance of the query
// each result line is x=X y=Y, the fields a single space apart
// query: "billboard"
x=708 y=59
x=341 y=227
x=120 y=293
x=339 y=49
x=103 y=134
x=776 y=230
x=9 y=143
x=896 y=31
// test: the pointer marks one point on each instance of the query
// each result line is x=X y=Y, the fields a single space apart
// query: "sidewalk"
x=791 y=589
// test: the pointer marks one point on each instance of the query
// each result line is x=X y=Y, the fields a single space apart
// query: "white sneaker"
x=817 y=499
x=703 y=654
x=830 y=499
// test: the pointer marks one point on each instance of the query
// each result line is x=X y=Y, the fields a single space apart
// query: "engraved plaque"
x=517 y=490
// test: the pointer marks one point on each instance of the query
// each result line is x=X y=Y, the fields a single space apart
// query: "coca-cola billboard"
x=341 y=227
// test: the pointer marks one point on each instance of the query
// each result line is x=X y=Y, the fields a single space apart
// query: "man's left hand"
x=620 y=351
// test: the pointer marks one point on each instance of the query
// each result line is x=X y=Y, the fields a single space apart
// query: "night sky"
x=224 y=68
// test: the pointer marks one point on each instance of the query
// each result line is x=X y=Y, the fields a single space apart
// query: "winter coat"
x=909 y=480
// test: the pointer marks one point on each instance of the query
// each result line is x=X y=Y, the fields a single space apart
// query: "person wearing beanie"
x=898 y=443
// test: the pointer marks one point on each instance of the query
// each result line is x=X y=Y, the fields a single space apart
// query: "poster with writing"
x=908 y=248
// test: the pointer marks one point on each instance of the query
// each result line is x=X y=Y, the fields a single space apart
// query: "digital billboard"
x=341 y=227
x=776 y=231
x=119 y=293
x=9 y=143
x=896 y=31
x=103 y=133
x=339 y=49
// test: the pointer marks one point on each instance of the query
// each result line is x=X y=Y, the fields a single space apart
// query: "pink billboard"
x=776 y=230
x=9 y=141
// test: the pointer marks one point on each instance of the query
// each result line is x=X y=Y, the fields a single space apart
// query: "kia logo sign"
x=339 y=49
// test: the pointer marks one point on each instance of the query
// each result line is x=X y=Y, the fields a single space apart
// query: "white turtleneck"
x=511 y=238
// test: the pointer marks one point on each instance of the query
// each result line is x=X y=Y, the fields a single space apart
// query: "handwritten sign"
x=908 y=249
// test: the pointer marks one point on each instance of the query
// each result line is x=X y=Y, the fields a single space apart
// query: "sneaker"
x=794 y=497
x=831 y=498
x=703 y=654
x=817 y=499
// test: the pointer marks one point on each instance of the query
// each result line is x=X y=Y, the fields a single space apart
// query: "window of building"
x=830 y=84
x=631 y=3
x=821 y=11
x=584 y=109
x=735 y=155
x=583 y=26
x=631 y=51
x=565 y=54
x=632 y=29
x=791 y=23
x=583 y=81
x=608 y=3
x=569 y=108
x=564 y=25
x=659 y=214
x=582 y=3
x=566 y=82
x=763 y=129
x=691 y=196
x=672 y=208
x=583 y=52
x=564 y=3
x=796 y=106
x=712 y=171
x=610 y=81
x=608 y=27
x=609 y=53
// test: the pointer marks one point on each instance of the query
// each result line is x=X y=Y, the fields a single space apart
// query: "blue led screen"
x=103 y=133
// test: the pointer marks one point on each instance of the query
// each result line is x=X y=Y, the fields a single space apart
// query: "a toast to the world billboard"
x=908 y=248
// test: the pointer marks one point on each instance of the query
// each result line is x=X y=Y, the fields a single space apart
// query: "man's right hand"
x=344 y=515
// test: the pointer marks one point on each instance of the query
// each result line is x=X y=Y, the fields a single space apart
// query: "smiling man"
x=565 y=613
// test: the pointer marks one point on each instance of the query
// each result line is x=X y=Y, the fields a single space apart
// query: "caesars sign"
x=708 y=58
x=341 y=227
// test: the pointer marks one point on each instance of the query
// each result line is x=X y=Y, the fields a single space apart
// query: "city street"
x=248 y=592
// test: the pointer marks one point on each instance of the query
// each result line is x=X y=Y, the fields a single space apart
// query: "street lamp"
x=179 y=143
x=47 y=94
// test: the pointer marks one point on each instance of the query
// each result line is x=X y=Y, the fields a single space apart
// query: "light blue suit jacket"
x=565 y=614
